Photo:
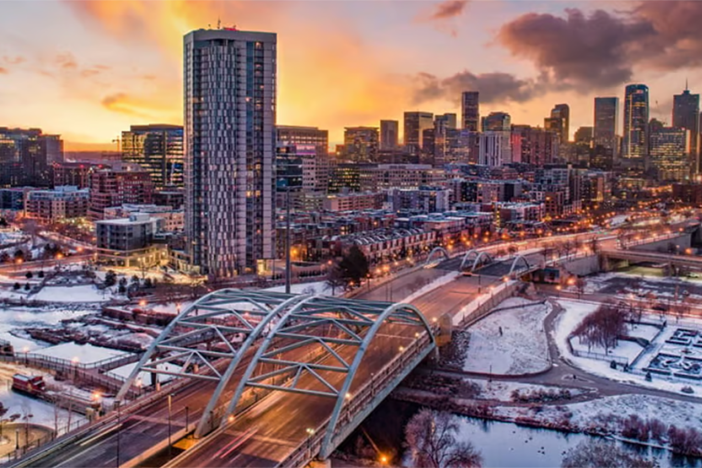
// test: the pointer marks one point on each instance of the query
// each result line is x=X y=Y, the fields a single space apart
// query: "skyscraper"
x=26 y=155
x=230 y=111
x=361 y=144
x=158 y=149
x=561 y=112
x=635 y=121
x=606 y=115
x=389 y=134
x=445 y=121
x=470 y=110
x=686 y=115
x=497 y=122
x=670 y=152
x=415 y=124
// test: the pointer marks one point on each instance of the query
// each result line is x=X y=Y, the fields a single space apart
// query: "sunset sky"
x=89 y=69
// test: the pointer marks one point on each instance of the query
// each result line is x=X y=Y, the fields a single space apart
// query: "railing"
x=312 y=445
x=54 y=363
x=80 y=431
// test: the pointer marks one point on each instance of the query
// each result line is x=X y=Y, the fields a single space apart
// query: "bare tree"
x=603 y=327
x=598 y=453
x=430 y=436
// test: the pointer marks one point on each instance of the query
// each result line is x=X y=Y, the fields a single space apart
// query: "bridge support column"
x=319 y=464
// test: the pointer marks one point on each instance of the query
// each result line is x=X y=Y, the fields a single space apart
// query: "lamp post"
x=119 y=414
x=310 y=433
x=170 y=401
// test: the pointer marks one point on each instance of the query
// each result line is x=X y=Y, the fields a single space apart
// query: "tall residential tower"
x=230 y=112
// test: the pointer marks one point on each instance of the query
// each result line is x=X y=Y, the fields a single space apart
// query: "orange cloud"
x=3 y=71
x=448 y=9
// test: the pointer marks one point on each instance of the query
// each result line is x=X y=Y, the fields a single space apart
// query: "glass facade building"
x=230 y=112
x=158 y=149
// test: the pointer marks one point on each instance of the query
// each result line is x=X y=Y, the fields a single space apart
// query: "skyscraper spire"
x=687 y=88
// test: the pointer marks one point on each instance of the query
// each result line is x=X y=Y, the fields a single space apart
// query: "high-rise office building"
x=686 y=115
x=583 y=136
x=470 y=110
x=414 y=125
x=293 y=135
x=497 y=122
x=26 y=156
x=389 y=134
x=361 y=144
x=561 y=114
x=606 y=116
x=670 y=152
x=230 y=112
x=158 y=149
x=445 y=121
x=636 y=121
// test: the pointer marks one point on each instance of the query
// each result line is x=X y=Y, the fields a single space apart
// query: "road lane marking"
x=236 y=443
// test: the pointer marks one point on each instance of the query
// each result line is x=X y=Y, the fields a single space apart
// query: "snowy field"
x=502 y=390
x=672 y=412
x=522 y=347
x=319 y=287
x=17 y=403
x=83 y=294
x=17 y=318
x=575 y=311
x=145 y=377
x=84 y=354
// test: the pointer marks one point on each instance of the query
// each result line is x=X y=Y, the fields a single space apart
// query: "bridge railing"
x=308 y=449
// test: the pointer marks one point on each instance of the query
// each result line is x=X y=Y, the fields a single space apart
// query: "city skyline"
x=115 y=64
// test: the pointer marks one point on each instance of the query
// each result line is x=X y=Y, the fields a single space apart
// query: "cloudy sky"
x=89 y=69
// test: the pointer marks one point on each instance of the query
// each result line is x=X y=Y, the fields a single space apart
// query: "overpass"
x=334 y=360
x=640 y=256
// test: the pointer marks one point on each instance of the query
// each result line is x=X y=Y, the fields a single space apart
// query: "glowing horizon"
x=89 y=69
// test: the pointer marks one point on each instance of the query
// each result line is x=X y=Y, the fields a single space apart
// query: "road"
x=271 y=430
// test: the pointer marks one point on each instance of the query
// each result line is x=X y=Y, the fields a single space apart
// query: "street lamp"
x=310 y=433
x=170 y=401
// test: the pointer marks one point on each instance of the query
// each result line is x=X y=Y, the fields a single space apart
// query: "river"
x=507 y=445
x=502 y=445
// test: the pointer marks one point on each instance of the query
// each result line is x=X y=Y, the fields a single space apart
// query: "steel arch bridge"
x=311 y=345
x=437 y=250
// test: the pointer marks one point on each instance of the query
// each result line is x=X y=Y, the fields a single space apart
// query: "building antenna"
x=687 y=88
x=219 y=23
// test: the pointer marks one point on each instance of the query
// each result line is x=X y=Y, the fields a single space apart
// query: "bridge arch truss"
x=481 y=258
x=433 y=253
x=318 y=347
x=515 y=262
x=210 y=337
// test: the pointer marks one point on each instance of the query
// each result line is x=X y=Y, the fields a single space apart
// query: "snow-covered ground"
x=521 y=348
x=85 y=293
x=502 y=390
x=576 y=310
x=17 y=403
x=145 y=377
x=672 y=412
x=319 y=287
x=17 y=318
x=84 y=354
